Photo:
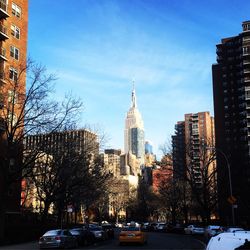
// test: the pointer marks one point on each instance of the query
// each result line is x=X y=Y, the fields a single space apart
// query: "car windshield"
x=52 y=233
x=107 y=226
x=95 y=229
x=131 y=229
x=75 y=231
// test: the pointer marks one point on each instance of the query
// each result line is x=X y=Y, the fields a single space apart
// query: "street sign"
x=231 y=199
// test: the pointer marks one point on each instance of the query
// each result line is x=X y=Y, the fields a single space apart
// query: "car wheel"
x=85 y=242
x=76 y=244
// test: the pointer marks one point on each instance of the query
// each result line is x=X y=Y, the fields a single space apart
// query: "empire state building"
x=134 y=131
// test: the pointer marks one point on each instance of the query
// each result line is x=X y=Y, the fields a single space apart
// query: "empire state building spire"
x=134 y=104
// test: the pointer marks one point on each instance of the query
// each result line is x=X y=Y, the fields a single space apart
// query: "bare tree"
x=175 y=199
x=28 y=111
x=202 y=178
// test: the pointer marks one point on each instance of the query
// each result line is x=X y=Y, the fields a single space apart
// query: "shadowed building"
x=179 y=152
x=231 y=90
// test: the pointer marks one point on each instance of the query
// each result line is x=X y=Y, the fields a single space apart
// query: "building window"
x=14 y=52
x=12 y=97
x=16 y=10
x=13 y=74
x=15 y=31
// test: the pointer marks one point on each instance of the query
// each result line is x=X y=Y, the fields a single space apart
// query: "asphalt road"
x=155 y=241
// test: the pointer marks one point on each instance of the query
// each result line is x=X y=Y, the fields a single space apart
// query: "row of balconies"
x=246 y=71
x=247 y=79
x=246 y=62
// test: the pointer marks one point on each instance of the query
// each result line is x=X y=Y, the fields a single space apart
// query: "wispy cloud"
x=167 y=46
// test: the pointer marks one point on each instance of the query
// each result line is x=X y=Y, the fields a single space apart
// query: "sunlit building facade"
x=134 y=131
x=13 y=57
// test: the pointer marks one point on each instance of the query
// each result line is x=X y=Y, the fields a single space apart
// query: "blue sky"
x=96 y=48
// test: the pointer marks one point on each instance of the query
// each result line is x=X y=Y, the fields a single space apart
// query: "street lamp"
x=229 y=178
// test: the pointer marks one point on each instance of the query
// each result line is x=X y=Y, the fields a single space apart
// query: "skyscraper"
x=148 y=148
x=134 y=131
x=231 y=89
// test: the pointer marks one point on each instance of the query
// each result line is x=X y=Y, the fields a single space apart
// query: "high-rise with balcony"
x=13 y=44
x=199 y=133
x=190 y=139
x=13 y=50
x=231 y=89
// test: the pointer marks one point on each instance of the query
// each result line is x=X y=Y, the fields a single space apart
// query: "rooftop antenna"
x=134 y=105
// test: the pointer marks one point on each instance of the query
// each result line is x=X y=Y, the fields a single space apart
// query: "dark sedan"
x=109 y=230
x=84 y=236
x=59 y=238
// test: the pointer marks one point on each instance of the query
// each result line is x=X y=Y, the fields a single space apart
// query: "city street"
x=155 y=241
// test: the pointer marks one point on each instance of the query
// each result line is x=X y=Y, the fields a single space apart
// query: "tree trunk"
x=45 y=211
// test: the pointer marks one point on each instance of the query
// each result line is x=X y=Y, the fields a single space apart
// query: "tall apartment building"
x=13 y=46
x=13 y=50
x=196 y=132
x=231 y=90
x=199 y=133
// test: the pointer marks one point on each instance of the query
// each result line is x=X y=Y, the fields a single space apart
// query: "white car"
x=192 y=229
x=229 y=241
x=233 y=229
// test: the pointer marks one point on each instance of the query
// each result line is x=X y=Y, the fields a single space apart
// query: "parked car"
x=193 y=229
x=152 y=226
x=59 y=238
x=178 y=229
x=98 y=232
x=160 y=227
x=145 y=226
x=230 y=241
x=132 y=235
x=212 y=230
x=108 y=228
x=84 y=236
